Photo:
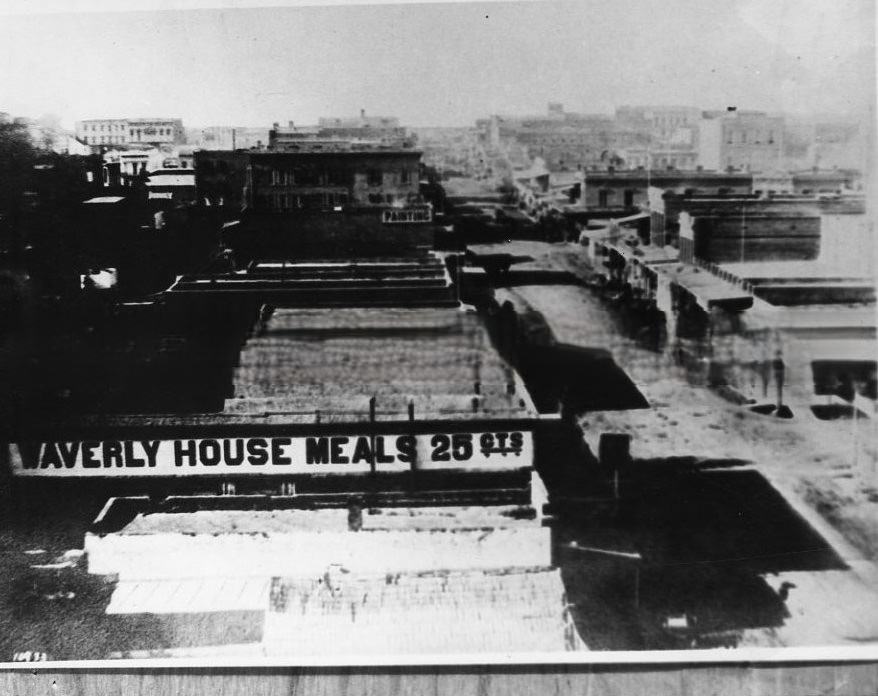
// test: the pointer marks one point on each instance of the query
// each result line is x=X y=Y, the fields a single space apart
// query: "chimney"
x=362 y=113
x=291 y=125
x=276 y=125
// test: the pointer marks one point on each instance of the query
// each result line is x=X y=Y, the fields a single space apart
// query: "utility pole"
x=856 y=429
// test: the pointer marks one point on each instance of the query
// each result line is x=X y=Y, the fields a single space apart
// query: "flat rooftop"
x=325 y=365
x=859 y=318
x=304 y=147
x=756 y=271
x=665 y=174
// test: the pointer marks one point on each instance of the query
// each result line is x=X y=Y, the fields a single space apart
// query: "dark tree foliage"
x=17 y=157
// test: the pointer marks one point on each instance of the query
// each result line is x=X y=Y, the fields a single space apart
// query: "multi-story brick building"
x=750 y=141
x=661 y=123
x=723 y=230
x=759 y=227
x=629 y=190
x=563 y=140
x=319 y=200
x=115 y=132
x=316 y=176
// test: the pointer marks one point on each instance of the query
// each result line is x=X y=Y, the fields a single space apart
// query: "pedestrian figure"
x=355 y=516
x=777 y=366
x=765 y=373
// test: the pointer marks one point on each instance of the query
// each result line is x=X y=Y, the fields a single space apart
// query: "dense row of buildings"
x=107 y=134
x=786 y=271
x=363 y=161
x=684 y=233
x=671 y=137
x=342 y=181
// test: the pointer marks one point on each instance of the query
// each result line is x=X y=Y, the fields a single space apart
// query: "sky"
x=430 y=64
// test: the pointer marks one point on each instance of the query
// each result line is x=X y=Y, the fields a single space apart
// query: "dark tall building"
x=316 y=199
x=313 y=177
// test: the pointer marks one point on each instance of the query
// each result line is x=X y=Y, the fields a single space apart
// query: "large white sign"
x=232 y=456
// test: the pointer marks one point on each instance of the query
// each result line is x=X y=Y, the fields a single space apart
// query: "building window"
x=373 y=177
x=336 y=177
x=276 y=177
x=313 y=201
x=603 y=197
x=629 y=198
x=405 y=176
x=306 y=177
x=375 y=198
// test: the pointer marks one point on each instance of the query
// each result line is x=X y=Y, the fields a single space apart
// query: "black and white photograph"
x=437 y=332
